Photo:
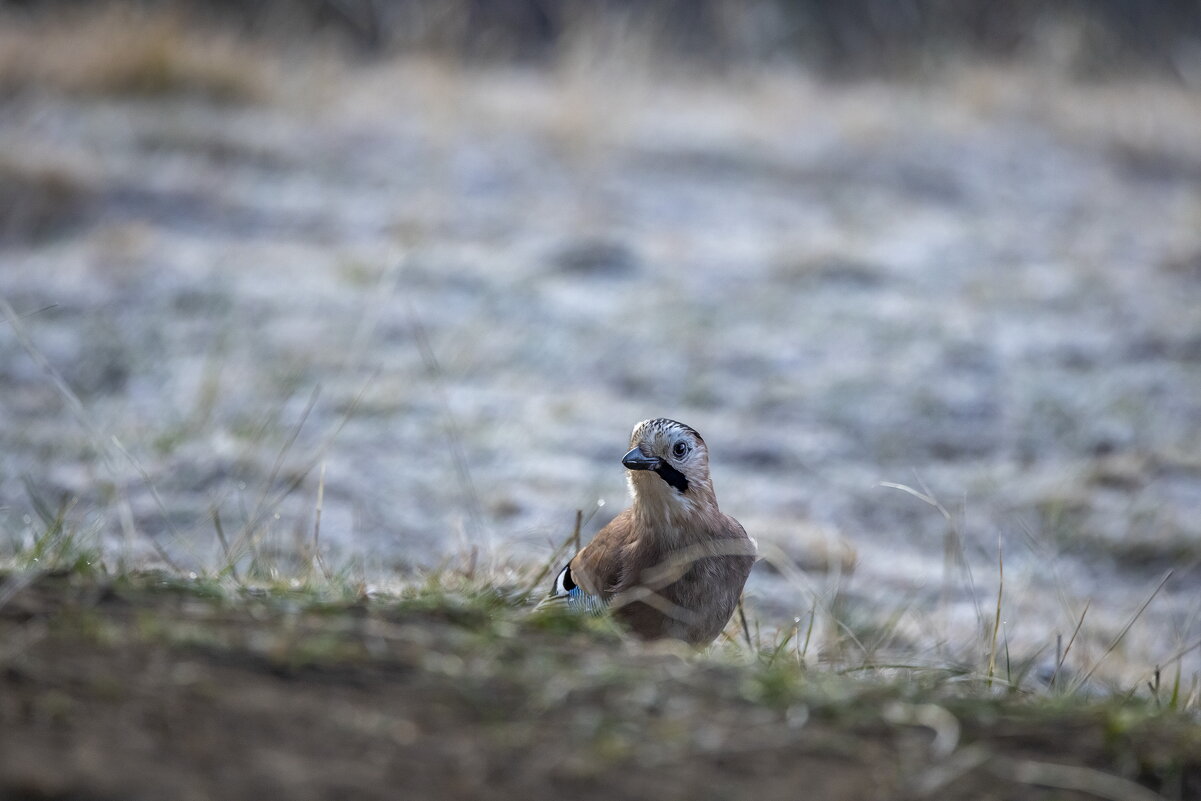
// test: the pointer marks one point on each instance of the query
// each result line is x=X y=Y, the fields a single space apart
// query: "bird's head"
x=669 y=466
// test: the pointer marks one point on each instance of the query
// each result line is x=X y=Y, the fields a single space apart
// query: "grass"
x=94 y=644
x=321 y=658
x=838 y=644
x=280 y=646
x=88 y=648
x=836 y=636
x=120 y=50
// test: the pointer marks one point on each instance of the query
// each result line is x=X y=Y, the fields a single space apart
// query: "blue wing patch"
x=568 y=592
x=581 y=601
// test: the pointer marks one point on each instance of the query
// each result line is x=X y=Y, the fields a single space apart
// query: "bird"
x=671 y=565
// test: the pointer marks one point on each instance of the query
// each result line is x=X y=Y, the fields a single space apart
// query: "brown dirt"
x=143 y=688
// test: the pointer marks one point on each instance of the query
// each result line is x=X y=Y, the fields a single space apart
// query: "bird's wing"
x=566 y=591
x=588 y=581
x=600 y=566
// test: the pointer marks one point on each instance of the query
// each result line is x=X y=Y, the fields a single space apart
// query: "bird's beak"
x=637 y=460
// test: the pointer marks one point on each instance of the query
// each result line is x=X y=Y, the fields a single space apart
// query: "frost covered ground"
x=451 y=292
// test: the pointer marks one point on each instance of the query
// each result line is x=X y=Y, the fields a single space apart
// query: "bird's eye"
x=679 y=449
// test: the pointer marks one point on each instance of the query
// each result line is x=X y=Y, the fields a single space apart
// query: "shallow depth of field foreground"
x=323 y=327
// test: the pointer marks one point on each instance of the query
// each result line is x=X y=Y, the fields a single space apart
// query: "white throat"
x=657 y=504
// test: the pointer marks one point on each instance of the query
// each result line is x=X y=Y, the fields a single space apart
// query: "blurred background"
x=394 y=281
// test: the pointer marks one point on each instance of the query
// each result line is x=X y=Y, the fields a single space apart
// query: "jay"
x=672 y=565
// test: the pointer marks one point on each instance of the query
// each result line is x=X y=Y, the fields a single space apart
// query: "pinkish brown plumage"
x=672 y=565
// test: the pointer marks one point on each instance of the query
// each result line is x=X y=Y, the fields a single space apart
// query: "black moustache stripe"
x=672 y=476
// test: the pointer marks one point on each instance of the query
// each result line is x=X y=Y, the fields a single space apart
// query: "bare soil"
x=149 y=687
